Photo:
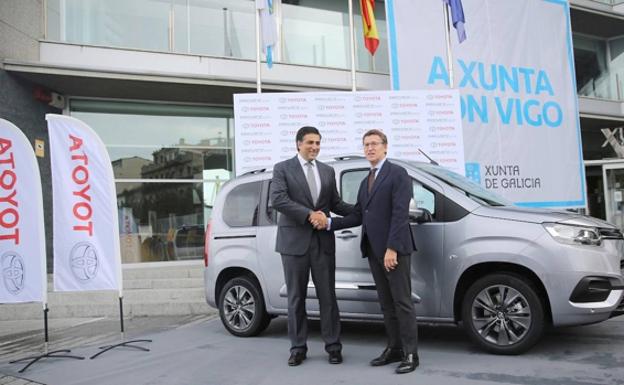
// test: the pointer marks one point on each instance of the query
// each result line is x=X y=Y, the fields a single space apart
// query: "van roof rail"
x=253 y=172
x=348 y=157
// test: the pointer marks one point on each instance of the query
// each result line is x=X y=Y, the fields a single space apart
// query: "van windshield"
x=461 y=183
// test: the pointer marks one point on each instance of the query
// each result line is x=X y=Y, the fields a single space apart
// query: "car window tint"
x=191 y=236
x=423 y=197
x=241 y=205
x=180 y=237
x=271 y=213
x=350 y=184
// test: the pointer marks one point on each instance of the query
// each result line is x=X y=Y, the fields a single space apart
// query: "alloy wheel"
x=501 y=315
x=239 y=307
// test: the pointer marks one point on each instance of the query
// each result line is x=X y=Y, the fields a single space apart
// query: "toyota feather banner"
x=86 y=228
x=516 y=78
x=22 y=237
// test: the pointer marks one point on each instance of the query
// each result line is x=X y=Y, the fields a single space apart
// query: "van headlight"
x=573 y=235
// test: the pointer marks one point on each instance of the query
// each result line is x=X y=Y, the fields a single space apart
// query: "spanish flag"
x=371 y=37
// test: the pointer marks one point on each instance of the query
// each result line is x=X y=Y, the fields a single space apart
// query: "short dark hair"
x=305 y=130
x=379 y=133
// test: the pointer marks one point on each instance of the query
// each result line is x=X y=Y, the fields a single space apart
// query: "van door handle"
x=346 y=235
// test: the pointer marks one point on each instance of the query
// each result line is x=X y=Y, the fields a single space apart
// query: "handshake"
x=318 y=219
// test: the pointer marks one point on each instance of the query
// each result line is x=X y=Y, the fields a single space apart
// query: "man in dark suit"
x=304 y=191
x=383 y=211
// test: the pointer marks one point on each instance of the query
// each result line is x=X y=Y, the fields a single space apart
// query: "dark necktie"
x=371 y=179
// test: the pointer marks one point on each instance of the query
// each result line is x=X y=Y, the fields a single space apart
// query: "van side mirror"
x=419 y=214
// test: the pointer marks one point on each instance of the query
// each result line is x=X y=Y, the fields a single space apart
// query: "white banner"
x=515 y=72
x=22 y=237
x=86 y=228
x=266 y=125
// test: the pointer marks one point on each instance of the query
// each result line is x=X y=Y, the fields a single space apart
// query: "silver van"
x=502 y=271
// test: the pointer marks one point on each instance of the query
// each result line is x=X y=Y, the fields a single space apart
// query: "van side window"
x=271 y=213
x=350 y=184
x=423 y=197
x=242 y=204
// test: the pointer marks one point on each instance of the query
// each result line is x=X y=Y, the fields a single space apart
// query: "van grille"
x=610 y=233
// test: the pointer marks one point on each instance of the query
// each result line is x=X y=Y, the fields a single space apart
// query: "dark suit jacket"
x=384 y=213
x=291 y=196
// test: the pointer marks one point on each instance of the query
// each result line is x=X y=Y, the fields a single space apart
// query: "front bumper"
x=618 y=310
x=597 y=270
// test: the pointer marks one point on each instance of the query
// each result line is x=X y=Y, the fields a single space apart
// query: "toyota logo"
x=83 y=261
x=13 y=272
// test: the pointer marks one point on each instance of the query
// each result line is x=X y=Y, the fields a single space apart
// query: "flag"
x=371 y=37
x=84 y=205
x=268 y=29
x=457 y=16
x=22 y=236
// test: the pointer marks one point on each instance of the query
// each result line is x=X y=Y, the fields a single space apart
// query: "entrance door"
x=613 y=175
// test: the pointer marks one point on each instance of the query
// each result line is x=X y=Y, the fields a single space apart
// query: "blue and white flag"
x=268 y=29
x=457 y=17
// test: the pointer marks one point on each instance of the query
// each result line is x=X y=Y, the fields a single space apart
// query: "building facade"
x=155 y=79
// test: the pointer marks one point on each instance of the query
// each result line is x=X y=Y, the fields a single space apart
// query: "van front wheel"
x=241 y=307
x=503 y=313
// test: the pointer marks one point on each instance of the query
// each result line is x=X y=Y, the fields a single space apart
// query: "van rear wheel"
x=241 y=307
x=503 y=314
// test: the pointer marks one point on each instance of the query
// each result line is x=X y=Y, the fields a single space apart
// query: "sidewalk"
x=10 y=380
x=27 y=338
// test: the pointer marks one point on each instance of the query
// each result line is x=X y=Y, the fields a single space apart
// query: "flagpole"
x=352 y=41
x=258 y=69
x=449 y=52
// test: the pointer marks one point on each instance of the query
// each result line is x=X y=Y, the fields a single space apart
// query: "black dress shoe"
x=388 y=356
x=409 y=363
x=296 y=358
x=335 y=357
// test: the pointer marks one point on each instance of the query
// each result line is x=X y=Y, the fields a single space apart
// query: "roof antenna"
x=430 y=160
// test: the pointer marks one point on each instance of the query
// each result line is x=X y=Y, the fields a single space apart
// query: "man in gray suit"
x=304 y=191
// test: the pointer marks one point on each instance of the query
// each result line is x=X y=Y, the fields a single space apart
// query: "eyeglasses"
x=371 y=144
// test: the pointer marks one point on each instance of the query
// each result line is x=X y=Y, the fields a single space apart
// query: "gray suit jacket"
x=291 y=197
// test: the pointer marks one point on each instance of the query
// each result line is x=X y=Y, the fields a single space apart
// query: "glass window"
x=242 y=205
x=350 y=184
x=312 y=32
x=272 y=215
x=169 y=162
x=423 y=197
x=590 y=61
x=155 y=141
x=218 y=28
x=317 y=33
x=463 y=184
x=117 y=23
x=161 y=221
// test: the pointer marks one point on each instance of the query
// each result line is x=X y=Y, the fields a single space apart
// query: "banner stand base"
x=127 y=344
x=54 y=354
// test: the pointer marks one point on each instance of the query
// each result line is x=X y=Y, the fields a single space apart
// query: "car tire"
x=241 y=307
x=503 y=314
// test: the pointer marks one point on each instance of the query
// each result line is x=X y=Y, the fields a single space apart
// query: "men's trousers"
x=296 y=273
x=394 y=290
